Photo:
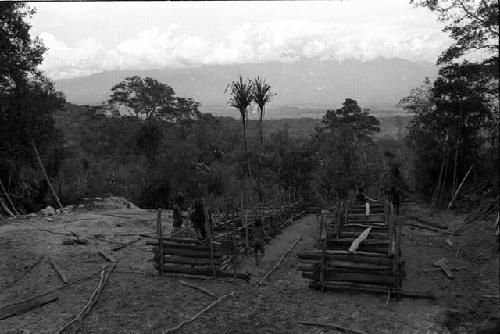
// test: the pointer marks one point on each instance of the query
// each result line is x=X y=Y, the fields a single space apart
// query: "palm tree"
x=261 y=95
x=240 y=97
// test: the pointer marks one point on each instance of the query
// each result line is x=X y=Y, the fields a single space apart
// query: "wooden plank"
x=353 y=277
x=189 y=260
x=58 y=271
x=185 y=253
x=202 y=271
x=442 y=263
x=20 y=308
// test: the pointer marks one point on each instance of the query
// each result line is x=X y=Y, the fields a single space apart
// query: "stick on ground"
x=199 y=288
x=13 y=310
x=24 y=273
x=58 y=271
x=193 y=318
x=330 y=326
x=279 y=261
x=107 y=257
x=92 y=300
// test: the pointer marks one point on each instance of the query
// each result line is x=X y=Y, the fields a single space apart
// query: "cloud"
x=250 y=43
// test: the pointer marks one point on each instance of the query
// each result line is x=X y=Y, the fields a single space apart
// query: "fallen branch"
x=107 y=256
x=13 y=310
x=92 y=300
x=199 y=288
x=126 y=245
x=279 y=261
x=56 y=289
x=193 y=318
x=58 y=271
x=330 y=326
x=431 y=228
x=24 y=273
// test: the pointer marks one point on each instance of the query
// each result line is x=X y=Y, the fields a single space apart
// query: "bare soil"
x=137 y=300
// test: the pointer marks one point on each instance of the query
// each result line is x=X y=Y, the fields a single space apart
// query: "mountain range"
x=303 y=87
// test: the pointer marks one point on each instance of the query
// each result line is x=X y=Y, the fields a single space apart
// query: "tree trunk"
x=246 y=149
x=259 y=171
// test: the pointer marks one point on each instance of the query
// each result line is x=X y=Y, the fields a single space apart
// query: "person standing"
x=259 y=235
x=179 y=211
x=198 y=219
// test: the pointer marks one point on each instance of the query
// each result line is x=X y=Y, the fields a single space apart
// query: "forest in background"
x=447 y=152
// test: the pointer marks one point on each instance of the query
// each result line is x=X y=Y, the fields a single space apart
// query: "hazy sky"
x=85 y=38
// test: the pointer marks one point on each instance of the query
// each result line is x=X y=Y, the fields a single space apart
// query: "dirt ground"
x=137 y=300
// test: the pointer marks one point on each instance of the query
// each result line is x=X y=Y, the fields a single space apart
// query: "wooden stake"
x=279 y=261
x=58 y=271
x=214 y=270
x=159 y=230
x=193 y=318
x=52 y=191
x=235 y=249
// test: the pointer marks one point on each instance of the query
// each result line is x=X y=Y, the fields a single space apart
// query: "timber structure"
x=230 y=239
x=358 y=250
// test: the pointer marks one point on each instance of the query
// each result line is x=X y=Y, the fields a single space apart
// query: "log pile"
x=359 y=252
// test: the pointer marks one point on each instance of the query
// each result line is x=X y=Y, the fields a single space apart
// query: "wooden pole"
x=160 y=239
x=52 y=191
x=459 y=187
x=212 y=262
x=244 y=220
x=8 y=198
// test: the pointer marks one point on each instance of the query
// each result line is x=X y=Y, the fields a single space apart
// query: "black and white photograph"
x=248 y=167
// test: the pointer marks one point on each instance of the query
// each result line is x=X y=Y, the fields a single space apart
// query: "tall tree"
x=240 y=97
x=27 y=103
x=262 y=94
x=148 y=98
x=472 y=24
x=19 y=53
x=445 y=133
x=341 y=145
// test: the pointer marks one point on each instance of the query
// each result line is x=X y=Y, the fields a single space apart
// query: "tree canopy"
x=19 y=53
x=472 y=24
x=148 y=98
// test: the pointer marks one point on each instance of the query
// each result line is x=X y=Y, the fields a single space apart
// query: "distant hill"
x=304 y=88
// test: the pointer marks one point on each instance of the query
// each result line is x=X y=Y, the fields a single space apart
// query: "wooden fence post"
x=159 y=231
x=212 y=262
